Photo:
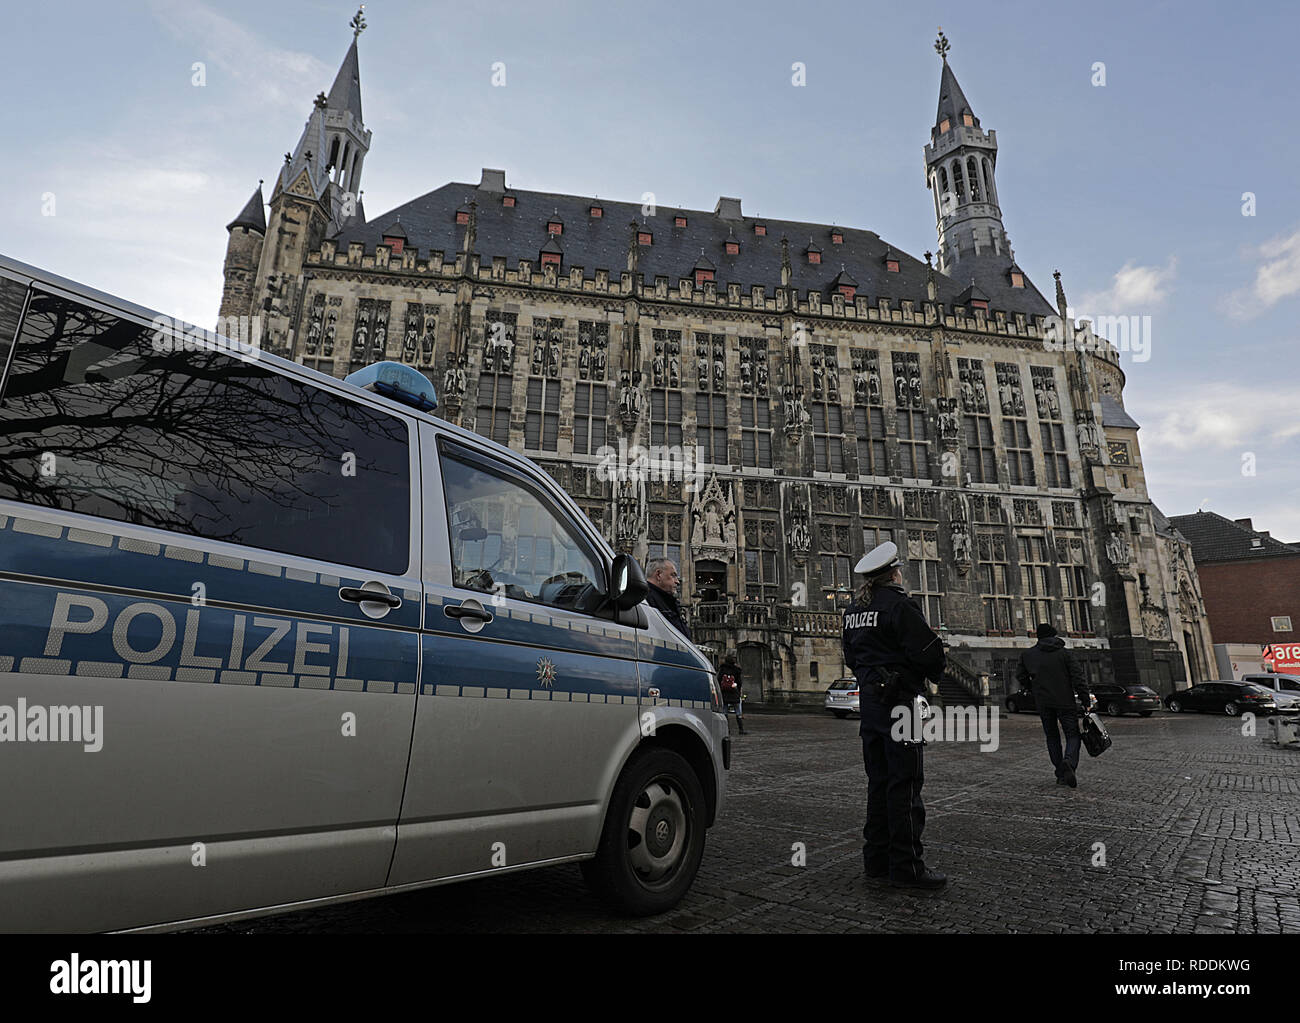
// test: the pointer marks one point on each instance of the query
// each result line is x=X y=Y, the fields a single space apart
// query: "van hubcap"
x=656 y=831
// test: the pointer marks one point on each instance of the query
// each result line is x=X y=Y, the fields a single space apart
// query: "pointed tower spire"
x=253 y=215
x=959 y=166
x=335 y=141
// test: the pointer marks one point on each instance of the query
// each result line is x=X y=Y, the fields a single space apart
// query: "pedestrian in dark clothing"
x=892 y=651
x=662 y=576
x=1056 y=680
x=733 y=696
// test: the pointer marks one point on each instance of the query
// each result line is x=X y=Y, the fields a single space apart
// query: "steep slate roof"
x=1214 y=538
x=519 y=232
x=253 y=215
x=345 y=93
x=1113 y=415
x=952 y=101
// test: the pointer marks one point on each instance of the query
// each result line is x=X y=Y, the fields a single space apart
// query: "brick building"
x=1251 y=581
x=834 y=390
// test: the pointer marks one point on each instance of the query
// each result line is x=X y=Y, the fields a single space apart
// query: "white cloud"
x=1276 y=278
x=288 y=78
x=1133 y=290
x=1214 y=418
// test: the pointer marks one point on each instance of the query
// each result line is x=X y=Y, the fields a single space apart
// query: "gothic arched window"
x=973 y=172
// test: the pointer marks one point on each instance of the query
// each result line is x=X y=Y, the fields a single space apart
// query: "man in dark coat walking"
x=661 y=594
x=1056 y=679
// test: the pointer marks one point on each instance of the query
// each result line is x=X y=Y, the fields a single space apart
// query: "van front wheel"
x=653 y=839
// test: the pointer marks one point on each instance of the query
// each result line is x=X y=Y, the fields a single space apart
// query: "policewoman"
x=892 y=651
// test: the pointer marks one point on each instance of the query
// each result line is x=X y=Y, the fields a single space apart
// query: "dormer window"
x=703 y=270
x=837 y=237
x=978 y=303
x=395 y=244
x=845 y=285
x=891 y=265
x=597 y=211
x=508 y=201
x=760 y=229
x=551 y=254
x=679 y=221
x=732 y=247
x=967 y=120
x=462 y=216
x=644 y=238
x=944 y=125
x=813 y=254
x=555 y=227
x=1017 y=279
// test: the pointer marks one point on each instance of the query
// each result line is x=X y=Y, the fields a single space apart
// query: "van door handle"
x=356 y=595
x=462 y=611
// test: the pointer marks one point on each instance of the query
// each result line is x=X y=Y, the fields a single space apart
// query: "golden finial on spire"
x=358 y=22
x=942 y=46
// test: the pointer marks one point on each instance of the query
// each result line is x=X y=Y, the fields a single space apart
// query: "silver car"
x=1285 y=689
x=842 y=697
x=270 y=639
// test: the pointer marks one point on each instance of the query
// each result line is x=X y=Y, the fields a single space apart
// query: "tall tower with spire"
x=960 y=161
x=243 y=254
x=316 y=191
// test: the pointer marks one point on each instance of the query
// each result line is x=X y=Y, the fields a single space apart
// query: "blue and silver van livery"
x=270 y=639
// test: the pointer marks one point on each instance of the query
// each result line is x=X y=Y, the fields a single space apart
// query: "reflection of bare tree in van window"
x=197 y=442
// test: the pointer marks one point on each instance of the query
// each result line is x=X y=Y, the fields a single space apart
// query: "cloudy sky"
x=121 y=172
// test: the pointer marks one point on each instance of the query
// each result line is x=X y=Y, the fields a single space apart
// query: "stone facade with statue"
x=822 y=390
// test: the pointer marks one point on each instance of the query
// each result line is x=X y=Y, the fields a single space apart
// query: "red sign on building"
x=1283 y=658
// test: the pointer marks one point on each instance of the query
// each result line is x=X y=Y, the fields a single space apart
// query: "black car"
x=1229 y=698
x=1022 y=699
x=1116 y=699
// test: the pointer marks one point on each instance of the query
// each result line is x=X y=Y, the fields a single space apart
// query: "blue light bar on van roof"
x=398 y=383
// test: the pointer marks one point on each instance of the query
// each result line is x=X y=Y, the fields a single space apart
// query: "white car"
x=842 y=697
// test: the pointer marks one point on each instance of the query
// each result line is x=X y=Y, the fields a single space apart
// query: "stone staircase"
x=961 y=686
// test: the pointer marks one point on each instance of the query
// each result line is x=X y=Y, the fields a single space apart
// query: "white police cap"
x=878 y=559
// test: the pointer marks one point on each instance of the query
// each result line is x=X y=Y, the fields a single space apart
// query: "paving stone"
x=1197 y=824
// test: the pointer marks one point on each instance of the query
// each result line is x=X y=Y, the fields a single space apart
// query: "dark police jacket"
x=891 y=632
x=666 y=603
x=1053 y=674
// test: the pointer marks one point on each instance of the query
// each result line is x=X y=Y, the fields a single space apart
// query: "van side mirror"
x=627 y=586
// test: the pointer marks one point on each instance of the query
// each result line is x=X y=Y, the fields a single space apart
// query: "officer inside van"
x=892 y=651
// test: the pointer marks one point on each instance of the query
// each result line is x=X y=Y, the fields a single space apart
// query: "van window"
x=507 y=538
x=12 y=295
x=97 y=418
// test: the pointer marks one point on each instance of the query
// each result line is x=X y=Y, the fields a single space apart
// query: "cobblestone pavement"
x=1199 y=823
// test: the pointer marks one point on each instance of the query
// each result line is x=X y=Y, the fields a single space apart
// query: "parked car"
x=1285 y=688
x=842 y=697
x=327 y=688
x=1229 y=697
x=1021 y=700
x=1116 y=699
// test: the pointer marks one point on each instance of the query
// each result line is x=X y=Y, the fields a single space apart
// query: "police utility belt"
x=887 y=686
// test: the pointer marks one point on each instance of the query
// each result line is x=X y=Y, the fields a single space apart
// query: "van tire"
x=661 y=783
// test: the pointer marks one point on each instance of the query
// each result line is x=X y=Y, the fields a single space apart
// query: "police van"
x=270 y=640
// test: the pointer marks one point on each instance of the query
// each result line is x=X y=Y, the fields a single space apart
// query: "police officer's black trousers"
x=895 y=812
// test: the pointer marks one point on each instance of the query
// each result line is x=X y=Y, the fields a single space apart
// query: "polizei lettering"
x=236 y=642
x=861 y=620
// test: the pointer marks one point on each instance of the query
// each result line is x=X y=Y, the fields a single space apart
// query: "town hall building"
x=831 y=390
